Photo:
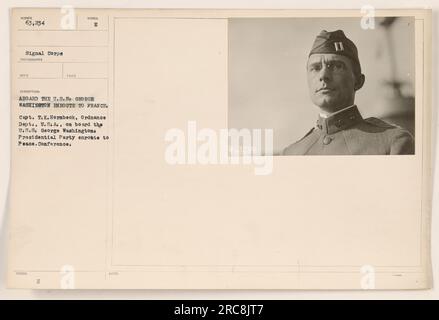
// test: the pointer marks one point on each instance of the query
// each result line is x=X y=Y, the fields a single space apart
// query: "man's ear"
x=359 y=82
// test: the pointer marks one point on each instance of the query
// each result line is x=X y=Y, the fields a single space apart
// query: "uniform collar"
x=339 y=120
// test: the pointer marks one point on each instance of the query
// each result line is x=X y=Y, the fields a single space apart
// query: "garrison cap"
x=337 y=43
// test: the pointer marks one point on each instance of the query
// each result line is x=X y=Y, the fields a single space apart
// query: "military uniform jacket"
x=347 y=133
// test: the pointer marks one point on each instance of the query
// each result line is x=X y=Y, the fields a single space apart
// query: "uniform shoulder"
x=392 y=129
x=398 y=139
x=380 y=123
x=376 y=125
x=293 y=148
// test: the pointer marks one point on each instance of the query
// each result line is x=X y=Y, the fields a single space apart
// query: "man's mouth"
x=325 y=90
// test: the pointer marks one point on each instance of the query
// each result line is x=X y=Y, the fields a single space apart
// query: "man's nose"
x=325 y=73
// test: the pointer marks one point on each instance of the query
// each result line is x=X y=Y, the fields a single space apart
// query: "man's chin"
x=326 y=104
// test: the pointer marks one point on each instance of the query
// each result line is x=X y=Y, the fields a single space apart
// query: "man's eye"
x=336 y=66
x=315 y=68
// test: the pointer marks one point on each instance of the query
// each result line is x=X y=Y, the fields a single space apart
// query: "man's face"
x=331 y=81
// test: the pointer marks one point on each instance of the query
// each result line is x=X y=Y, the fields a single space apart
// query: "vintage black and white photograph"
x=325 y=86
x=173 y=150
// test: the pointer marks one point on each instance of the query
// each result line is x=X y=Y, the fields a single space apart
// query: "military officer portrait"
x=334 y=76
